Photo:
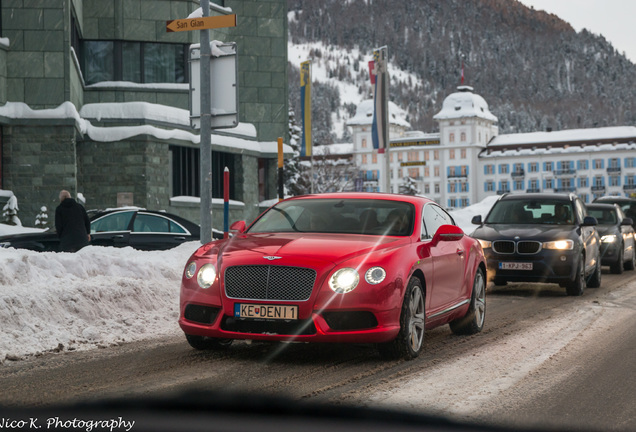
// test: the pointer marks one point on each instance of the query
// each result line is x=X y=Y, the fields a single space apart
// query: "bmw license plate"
x=515 y=266
x=284 y=312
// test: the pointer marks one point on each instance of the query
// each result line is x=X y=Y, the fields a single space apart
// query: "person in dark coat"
x=72 y=224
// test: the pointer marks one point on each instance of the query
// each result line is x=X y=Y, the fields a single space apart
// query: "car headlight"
x=344 y=280
x=559 y=245
x=190 y=270
x=375 y=275
x=610 y=238
x=206 y=275
x=485 y=244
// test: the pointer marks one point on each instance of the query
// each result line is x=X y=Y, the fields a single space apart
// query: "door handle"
x=118 y=237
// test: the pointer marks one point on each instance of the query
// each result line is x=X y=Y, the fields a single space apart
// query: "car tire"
x=473 y=321
x=617 y=267
x=207 y=343
x=409 y=341
x=576 y=287
x=631 y=264
x=595 y=278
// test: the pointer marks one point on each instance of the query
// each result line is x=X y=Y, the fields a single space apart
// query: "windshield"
x=531 y=212
x=603 y=216
x=345 y=216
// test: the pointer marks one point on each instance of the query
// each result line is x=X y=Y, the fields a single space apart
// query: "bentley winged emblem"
x=272 y=258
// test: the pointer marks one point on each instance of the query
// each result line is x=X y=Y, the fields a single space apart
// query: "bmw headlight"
x=190 y=269
x=375 y=275
x=206 y=276
x=344 y=280
x=610 y=238
x=559 y=245
x=485 y=244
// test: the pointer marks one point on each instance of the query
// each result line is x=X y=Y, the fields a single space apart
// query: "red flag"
x=371 y=74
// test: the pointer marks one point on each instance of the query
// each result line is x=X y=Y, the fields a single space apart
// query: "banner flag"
x=380 y=123
x=305 y=106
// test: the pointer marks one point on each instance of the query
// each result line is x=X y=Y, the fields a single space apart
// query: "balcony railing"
x=614 y=170
x=533 y=190
x=502 y=191
x=629 y=187
x=598 y=188
x=565 y=189
x=566 y=172
x=458 y=175
x=518 y=174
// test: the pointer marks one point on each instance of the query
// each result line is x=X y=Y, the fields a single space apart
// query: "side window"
x=112 y=222
x=151 y=224
x=433 y=218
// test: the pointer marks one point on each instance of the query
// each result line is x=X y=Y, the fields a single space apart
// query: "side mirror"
x=238 y=226
x=476 y=220
x=447 y=233
x=627 y=221
x=589 y=221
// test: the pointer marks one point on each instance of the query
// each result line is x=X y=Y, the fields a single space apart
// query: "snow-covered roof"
x=587 y=136
x=364 y=115
x=228 y=140
x=464 y=103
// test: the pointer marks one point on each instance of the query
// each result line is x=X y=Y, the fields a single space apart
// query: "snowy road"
x=543 y=357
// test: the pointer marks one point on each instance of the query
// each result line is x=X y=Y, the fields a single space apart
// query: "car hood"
x=607 y=229
x=326 y=248
x=525 y=232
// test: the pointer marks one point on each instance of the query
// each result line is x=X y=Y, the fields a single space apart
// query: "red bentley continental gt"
x=340 y=267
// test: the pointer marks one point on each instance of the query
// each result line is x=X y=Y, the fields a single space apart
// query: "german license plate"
x=284 y=312
x=515 y=266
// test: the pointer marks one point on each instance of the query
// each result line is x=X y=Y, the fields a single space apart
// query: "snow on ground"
x=93 y=298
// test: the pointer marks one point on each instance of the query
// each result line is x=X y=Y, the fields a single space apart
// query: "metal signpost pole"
x=206 y=131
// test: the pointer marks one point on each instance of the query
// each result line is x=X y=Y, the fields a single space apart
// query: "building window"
x=548 y=184
x=583 y=181
x=463 y=153
x=598 y=163
x=614 y=163
x=548 y=166
x=436 y=188
x=533 y=167
x=426 y=155
x=490 y=186
x=614 y=181
x=451 y=154
x=436 y=155
x=629 y=162
x=503 y=169
x=364 y=143
x=364 y=159
x=489 y=169
x=400 y=157
x=451 y=187
x=436 y=171
x=374 y=158
x=185 y=172
x=139 y=62
x=451 y=137
x=583 y=164
x=427 y=172
x=462 y=137
x=427 y=188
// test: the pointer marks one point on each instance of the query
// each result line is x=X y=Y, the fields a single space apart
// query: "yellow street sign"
x=201 y=23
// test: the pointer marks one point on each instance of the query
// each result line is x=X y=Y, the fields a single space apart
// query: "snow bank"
x=96 y=297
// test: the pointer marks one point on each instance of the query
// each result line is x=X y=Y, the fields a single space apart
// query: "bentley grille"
x=267 y=282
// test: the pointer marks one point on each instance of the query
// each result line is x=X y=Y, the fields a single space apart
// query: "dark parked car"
x=541 y=238
x=617 y=236
x=138 y=228
x=628 y=205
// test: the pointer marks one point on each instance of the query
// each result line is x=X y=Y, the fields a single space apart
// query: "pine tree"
x=42 y=218
x=294 y=181
x=10 y=212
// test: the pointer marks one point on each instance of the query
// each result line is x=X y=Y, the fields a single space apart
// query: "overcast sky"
x=614 y=19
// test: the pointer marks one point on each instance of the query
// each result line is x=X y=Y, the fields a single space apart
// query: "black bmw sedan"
x=138 y=228
x=541 y=238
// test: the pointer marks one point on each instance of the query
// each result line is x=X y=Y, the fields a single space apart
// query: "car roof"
x=597 y=205
x=538 y=196
x=414 y=199
x=614 y=198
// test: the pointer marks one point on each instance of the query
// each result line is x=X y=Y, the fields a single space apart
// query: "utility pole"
x=206 y=133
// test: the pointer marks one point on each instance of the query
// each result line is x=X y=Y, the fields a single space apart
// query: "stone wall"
x=38 y=161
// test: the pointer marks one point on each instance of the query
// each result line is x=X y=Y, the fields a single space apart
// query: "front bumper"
x=546 y=266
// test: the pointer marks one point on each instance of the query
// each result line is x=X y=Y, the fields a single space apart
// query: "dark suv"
x=628 y=205
x=541 y=238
